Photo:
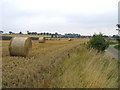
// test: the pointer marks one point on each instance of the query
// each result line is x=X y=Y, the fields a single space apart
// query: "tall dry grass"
x=87 y=69
x=53 y=65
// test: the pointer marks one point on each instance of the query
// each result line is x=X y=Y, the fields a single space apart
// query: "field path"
x=35 y=70
x=113 y=51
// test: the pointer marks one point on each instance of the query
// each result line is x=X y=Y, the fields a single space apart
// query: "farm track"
x=35 y=70
x=113 y=51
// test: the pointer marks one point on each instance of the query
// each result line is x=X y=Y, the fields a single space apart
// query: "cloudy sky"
x=85 y=17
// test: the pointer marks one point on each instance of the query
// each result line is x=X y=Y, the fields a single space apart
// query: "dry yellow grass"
x=59 y=64
x=87 y=69
x=34 y=70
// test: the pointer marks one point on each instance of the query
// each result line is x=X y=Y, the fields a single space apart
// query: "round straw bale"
x=41 y=39
x=49 y=39
x=20 y=46
x=69 y=39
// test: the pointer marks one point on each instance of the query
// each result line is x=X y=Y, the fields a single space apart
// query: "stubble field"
x=35 y=70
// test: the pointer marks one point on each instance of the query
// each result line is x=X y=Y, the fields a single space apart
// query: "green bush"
x=98 y=42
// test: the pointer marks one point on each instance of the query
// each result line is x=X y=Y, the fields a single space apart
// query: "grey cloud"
x=75 y=22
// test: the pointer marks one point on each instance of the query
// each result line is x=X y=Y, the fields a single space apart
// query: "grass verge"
x=86 y=69
x=117 y=47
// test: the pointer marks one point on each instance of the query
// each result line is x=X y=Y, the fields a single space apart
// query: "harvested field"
x=33 y=71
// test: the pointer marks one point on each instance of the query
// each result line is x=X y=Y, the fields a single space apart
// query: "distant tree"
x=20 y=32
x=52 y=35
x=56 y=34
x=118 y=25
x=10 y=32
x=47 y=33
x=115 y=36
x=27 y=32
x=44 y=33
x=1 y=32
x=35 y=33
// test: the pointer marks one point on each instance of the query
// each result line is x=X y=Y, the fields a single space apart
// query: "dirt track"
x=35 y=70
x=113 y=51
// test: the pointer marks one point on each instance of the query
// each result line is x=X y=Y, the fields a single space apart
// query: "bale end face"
x=69 y=39
x=41 y=39
x=20 y=46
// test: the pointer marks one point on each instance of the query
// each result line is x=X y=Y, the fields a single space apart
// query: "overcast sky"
x=85 y=17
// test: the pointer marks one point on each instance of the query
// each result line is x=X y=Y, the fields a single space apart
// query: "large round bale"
x=69 y=39
x=41 y=39
x=20 y=46
x=58 y=39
